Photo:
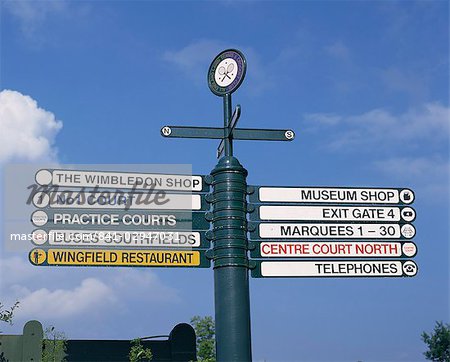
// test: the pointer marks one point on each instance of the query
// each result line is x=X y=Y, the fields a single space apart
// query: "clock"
x=226 y=72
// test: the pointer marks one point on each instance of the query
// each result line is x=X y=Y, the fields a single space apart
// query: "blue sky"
x=363 y=84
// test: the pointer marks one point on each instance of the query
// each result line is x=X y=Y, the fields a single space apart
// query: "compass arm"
x=234 y=119
x=263 y=134
x=220 y=148
x=192 y=132
x=254 y=134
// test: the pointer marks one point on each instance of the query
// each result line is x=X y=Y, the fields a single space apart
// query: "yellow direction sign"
x=134 y=258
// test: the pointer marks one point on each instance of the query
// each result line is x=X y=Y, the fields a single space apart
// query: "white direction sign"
x=104 y=238
x=155 y=220
x=309 y=249
x=391 y=268
x=336 y=213
x=334 y=231
x=335 y=195
x=125 y=180
x=114 y=200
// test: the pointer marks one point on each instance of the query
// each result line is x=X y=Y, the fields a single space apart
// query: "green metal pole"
x=231 y=285
x=227 y=109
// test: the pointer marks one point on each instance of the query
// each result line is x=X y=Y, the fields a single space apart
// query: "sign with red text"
x=333 y=249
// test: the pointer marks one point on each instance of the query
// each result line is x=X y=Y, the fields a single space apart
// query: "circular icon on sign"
x=39 y=218
x=166 y=131
x=406 y=196
x=409 y=249
x=409 y=268
x=39 y=237
x=41 y=199
x=408 y=214
x=289 y=134
x=37 y=256
x=226 y=72
x=408 y=231
x=43 y=177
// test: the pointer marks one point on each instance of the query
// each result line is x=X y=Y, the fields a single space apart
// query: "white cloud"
x=142 y=286
x=380 y=128
x=429 y=174
x=409 y=81
x=32 y=14
x=28 y=131
x=319 y=119
x=14 y=270
x=411 y=147
x=193 y=54
x=412 y=168
x=338 y=50
x=91 y=294
x=194 y=60
x=65 y=294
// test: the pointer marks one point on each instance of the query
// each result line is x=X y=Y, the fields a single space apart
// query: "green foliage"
x=205 y=330
x=138 y=352
x=54 y=345
x=6 y=315
x=438 y=343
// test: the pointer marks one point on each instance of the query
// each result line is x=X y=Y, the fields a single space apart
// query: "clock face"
x=226 y=72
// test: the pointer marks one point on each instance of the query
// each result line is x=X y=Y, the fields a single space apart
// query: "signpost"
x=108 y=257
x=167 y=221
x=123 y=180
x=334 y=213
x=333 y=231
x=120 y=238
x=118 y=200
x=255 y=134
x=333 y=249
x=342 y=195
x=150 y=220
x=332 y=222
x=111 y=218
x=340 y=223
x=325 y=268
